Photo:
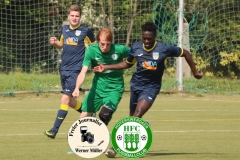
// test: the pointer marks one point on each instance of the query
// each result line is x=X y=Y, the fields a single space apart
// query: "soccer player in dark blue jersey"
x=150 y=56
x=74 y=39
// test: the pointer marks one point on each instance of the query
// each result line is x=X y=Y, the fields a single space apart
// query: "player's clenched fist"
x=198 y=75
x=75 y=93
x=52 y=40
x=99 y=68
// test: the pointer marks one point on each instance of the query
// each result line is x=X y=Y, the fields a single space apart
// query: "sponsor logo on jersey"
x=149 y=65
x=71 y=41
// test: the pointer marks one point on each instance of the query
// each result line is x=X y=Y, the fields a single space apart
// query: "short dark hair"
x=76 y=8
x=149 y=26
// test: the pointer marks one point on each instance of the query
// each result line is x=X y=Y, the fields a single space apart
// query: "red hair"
x=106 y=34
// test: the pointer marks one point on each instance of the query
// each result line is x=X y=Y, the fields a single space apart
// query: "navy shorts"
x=68 y=81
x=137 y=95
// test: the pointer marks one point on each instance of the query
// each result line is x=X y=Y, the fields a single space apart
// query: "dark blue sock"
x=59 y=119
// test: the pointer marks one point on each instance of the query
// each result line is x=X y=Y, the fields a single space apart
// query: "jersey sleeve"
x=89 y=39
x=174 y=51
x=125 y=51
x=87 y=57
x=131 y=59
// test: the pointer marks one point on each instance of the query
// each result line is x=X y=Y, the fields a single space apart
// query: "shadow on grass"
x=151 y=154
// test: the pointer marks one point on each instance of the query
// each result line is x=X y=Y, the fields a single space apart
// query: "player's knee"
x=138 y=113
x=105 y=114
x=65 y=99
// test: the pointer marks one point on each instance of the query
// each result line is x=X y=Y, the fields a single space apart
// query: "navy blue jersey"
x=150 y=64
x=74 y=45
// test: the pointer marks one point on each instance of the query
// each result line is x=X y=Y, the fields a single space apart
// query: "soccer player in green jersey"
x=107 y=87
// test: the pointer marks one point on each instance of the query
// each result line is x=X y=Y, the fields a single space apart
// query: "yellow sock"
x=78 y=106
x=64 y=107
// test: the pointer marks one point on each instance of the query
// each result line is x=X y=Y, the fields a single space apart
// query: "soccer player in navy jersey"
x=73 y=40
x=150 y=56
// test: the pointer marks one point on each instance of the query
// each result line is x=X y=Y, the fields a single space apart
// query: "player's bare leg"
x=142 y=107
x=86 y=114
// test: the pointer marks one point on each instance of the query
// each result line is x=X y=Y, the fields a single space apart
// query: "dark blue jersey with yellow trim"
x=150 y=64
x=74 y=44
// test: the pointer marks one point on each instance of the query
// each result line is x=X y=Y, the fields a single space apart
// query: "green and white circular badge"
x=131 y=137
x=88 y=137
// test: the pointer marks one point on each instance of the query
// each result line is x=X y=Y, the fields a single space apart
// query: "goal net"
x=211 y=34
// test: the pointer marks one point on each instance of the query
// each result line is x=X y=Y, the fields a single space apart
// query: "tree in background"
x=26 y=26
x=213 y=29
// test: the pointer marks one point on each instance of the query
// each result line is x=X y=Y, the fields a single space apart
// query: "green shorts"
x=93 y=101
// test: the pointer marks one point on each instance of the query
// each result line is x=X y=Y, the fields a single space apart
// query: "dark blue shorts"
x=68 y=81
x=137 y=95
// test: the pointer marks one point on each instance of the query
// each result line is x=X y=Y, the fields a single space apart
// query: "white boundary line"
x=124 y=110
x=174 y=99
x=19 y=109
x=181 y=131
x=198 y=131
x=8 y=109
x=24 y=101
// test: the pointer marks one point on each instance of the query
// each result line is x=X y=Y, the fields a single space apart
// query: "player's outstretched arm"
x=79 y=82
x=188 y=57
x=121 y=65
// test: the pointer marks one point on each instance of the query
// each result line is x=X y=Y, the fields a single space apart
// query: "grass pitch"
x=184 y=127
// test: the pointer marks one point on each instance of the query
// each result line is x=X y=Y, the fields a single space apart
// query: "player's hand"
x=52 y=40
x=75 y=93
x=198 y=75
x=99 y=68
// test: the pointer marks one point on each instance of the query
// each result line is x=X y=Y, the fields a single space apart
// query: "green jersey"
x=109 y=80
